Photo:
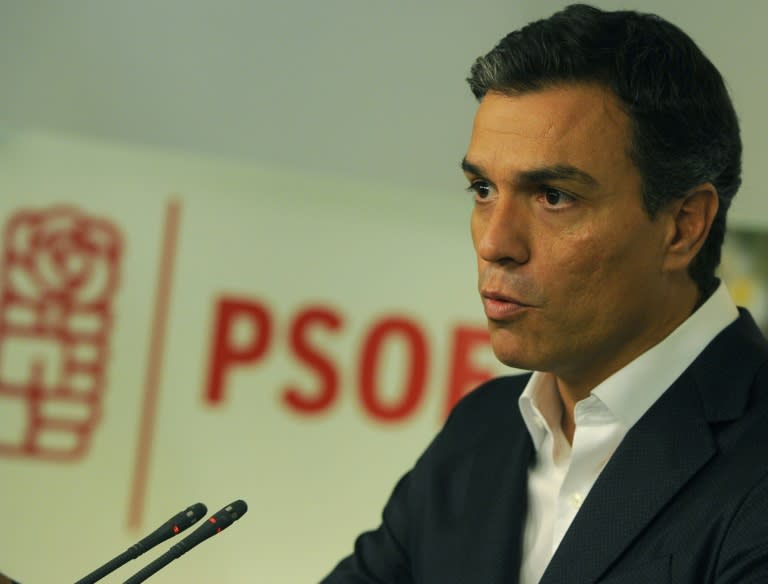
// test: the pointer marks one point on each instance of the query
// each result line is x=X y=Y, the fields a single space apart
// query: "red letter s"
x=326 y=394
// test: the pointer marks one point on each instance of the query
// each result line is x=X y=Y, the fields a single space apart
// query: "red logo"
x=59 y=278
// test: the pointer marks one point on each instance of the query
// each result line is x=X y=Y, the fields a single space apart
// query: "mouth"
x=501 y=307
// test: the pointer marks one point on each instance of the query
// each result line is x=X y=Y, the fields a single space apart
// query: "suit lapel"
x=669 y=444
x=496 y=501
x=664 y=449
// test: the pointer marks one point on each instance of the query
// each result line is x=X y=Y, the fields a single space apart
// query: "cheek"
x=474 y=231
x=574 y=259
x=610 y=271
x=578 y=275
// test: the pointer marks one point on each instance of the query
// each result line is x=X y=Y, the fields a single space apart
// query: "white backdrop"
x=281 y=245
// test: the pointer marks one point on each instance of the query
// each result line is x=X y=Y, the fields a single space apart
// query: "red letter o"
x=416 y=373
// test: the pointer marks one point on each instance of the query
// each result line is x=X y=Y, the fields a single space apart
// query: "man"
x=604 y=155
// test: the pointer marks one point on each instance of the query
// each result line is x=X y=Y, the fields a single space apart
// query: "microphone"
x=215 y=523
x=176 y=524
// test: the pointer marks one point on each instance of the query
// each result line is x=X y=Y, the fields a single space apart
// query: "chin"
x=521 y=350
x=513 y=356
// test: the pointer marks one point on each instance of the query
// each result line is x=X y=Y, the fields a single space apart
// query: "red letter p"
x=226 y=352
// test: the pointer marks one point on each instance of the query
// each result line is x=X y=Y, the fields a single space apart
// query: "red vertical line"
x=154 y=364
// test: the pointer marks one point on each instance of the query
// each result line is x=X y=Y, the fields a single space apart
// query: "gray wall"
x=372 y=90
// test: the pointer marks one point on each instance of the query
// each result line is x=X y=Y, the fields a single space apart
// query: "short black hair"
x=684 y=128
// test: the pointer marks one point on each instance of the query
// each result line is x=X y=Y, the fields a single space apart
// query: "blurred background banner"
x=745 y=269
x=236 y=264
x=175 y=329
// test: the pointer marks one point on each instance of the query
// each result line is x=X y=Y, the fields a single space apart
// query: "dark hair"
x=684 y=128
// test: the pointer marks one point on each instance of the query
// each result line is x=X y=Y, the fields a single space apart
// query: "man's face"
x=571 y=267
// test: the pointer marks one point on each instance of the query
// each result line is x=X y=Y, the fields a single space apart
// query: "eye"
x=556 y=198
x=481 y=189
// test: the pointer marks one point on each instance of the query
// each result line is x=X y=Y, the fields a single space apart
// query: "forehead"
x=581 y=124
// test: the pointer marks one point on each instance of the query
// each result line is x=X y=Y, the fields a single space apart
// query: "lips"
x=499 y=306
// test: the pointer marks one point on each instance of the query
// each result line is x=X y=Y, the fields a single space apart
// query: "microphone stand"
x=173 y=526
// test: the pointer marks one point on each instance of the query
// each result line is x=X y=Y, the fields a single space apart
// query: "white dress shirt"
x=563 y=474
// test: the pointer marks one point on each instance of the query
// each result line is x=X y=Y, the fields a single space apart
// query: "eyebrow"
x=539 y=175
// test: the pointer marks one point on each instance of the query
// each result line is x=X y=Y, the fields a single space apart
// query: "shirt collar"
x=541 y=406
x=632 y=390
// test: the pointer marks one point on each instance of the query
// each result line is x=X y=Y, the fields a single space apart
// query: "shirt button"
x=576 y=500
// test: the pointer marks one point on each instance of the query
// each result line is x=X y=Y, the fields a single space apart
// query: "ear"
x=690 y=219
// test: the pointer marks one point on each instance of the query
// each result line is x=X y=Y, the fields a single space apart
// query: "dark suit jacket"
x=684 y=499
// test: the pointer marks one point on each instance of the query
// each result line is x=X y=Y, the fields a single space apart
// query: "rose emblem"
x=61 y=256
x=60 y=274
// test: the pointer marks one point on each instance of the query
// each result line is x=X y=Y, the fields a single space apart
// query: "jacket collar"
x=666 y=447
x=491 y=534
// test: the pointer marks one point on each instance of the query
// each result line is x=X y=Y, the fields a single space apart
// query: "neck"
x=574 y=386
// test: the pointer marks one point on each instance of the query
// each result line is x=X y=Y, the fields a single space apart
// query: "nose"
x=500 y=231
